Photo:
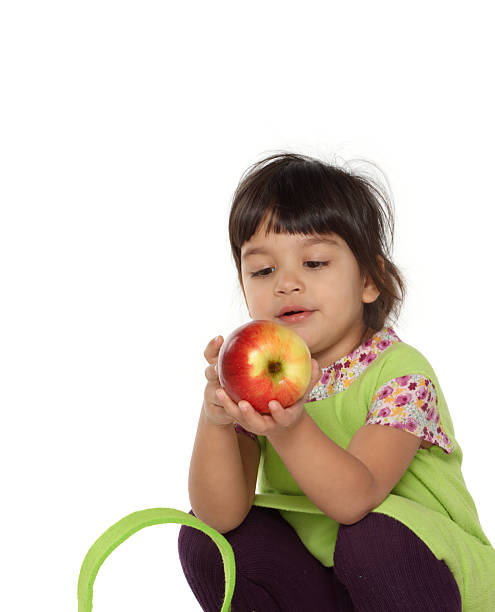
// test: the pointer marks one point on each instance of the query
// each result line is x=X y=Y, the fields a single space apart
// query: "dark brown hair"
x=296 y=193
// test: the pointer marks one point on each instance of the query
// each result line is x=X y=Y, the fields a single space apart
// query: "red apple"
x=261 y=361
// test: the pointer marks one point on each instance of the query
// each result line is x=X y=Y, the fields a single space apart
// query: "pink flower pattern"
x=408 y=402
x=405 y=407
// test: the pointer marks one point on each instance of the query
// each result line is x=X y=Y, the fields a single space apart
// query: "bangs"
x=294 y=200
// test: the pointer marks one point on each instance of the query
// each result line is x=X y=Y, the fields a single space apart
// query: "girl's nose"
x=287 y=282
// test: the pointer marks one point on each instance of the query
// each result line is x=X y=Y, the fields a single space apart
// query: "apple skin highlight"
x=262 y=361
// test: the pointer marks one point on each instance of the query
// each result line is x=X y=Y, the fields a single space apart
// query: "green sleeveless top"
x=431 y=498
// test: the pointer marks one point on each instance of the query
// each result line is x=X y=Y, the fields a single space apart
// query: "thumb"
x=316 y=372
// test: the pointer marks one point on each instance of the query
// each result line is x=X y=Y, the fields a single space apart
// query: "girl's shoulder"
x=401 y=359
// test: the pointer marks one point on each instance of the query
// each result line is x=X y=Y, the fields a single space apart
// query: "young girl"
x=362 y=504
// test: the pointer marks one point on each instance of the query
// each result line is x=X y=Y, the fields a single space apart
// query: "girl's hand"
x=280 y=420
x=212 y=406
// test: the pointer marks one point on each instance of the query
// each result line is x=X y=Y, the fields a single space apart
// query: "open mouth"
x=292 y=312
x=296 y=316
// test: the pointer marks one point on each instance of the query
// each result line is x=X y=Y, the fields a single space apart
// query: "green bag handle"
x=131 y=523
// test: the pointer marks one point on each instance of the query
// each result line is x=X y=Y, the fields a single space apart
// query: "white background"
x=125 y=128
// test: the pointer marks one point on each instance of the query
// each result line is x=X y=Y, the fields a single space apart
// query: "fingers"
x=211 y=373
x=227 y=402
x=212 y=349
x=284 y=418
x=316 y=373
x=211 y=397
x=243 y=411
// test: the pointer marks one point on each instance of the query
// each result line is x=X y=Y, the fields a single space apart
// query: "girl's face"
x=319 y=274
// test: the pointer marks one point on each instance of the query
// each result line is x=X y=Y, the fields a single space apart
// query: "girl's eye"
x=266 y=271
x=260 y=272
x=319 y=264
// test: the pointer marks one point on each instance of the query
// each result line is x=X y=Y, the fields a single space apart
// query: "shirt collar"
x=339 y=375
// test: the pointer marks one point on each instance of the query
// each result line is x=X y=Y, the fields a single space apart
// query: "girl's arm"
x=219 y=483
x=345 y=484
x=218 y=490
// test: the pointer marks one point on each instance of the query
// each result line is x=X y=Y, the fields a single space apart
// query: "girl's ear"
x=370 y=290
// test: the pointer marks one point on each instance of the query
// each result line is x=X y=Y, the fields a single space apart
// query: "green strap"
x=131 y=523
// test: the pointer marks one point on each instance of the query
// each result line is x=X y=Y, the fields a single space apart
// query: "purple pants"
x=380 y=565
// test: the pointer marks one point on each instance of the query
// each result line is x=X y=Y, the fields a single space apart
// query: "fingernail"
x=219 y=393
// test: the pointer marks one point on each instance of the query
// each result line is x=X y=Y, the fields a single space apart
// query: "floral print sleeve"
x=240 y=430
x=410 y=403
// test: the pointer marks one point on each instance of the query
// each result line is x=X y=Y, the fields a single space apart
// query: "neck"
x=367 y=334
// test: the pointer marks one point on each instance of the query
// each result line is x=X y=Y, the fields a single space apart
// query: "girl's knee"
x=377 y=540
x=196 y=548
x=202 y=565
x=365 y=543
